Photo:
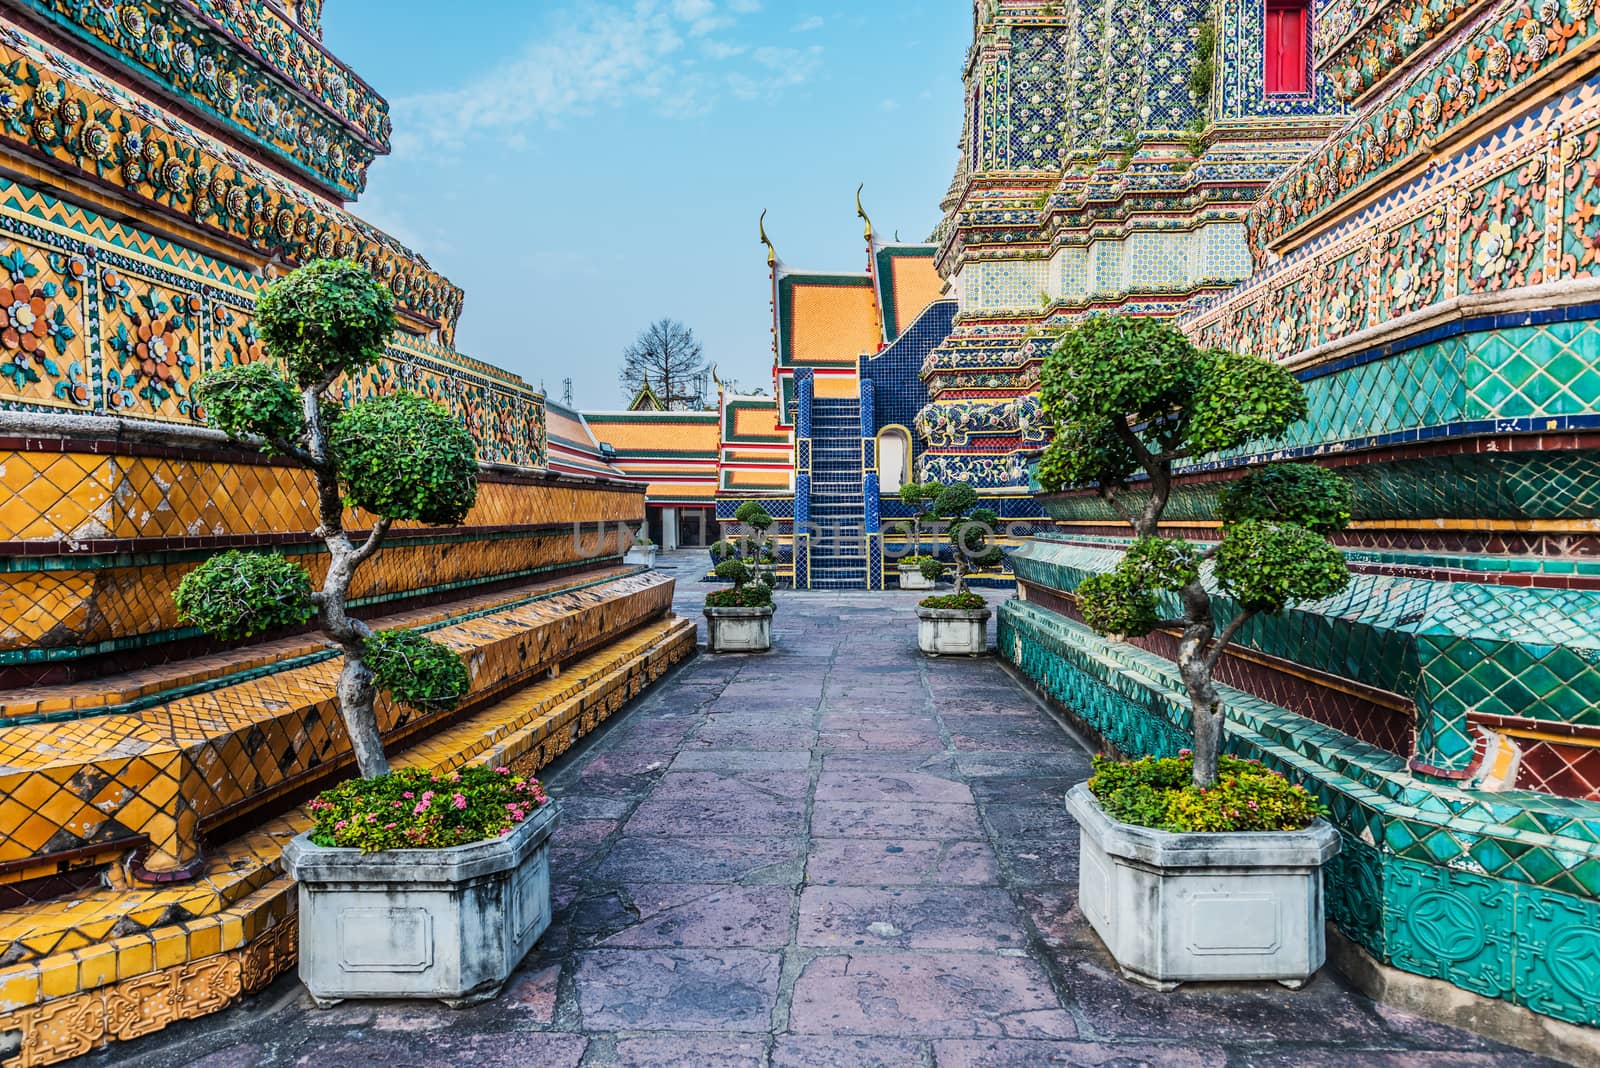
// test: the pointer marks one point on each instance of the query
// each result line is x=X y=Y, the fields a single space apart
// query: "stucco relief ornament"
x=1580 y=9
x=95 y=140
x=133 y=20
x=1493 y=245
x=183 y=56
x=1538 y=46
x=10 y=104
x=1497 y=59
x=237 y=202
x=1431 y=107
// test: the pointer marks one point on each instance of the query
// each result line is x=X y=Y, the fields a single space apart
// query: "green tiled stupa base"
x=1496 y=893
x=1542 y=485
x=1449 y=647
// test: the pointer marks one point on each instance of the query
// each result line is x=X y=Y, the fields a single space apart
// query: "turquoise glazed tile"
x=1558 y=955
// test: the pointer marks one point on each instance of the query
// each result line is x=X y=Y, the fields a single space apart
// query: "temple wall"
x=1427 y=274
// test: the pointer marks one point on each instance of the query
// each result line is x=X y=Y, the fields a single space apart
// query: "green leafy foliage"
x=1118 y=603
x=1162 y=563
x=416 y=670
x=964 y=602
x=1310 y=496
x=1161 y=793
x=955 y=501
x=418 y=809
x=1240 y=397
x=1266 y=566
x=1115 y=378
x=238 y=595
x=733 y=570
x=252 y=399
x=932 y=568
x=1205 y=63
x=328 y=318
x=748 y=595
x=724 y=550
x=751 y=514
x=406 y=457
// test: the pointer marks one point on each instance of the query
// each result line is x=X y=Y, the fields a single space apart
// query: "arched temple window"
x=1287 y=46
x=894 y=459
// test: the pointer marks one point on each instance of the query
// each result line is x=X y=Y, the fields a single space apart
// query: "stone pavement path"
x=838 y=854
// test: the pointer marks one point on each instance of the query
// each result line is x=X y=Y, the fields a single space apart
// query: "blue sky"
x=582 y=167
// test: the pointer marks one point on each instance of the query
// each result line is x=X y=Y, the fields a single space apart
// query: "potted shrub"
x=739 y=620
x=754 y=548
x=1184 y=882
x=395 y=457
x=918 y=496
x=957 y=624
x=642 y=551
x=422 y=884
x=1129 y=396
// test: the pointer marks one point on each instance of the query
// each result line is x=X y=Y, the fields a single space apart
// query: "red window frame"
x=1287 y=40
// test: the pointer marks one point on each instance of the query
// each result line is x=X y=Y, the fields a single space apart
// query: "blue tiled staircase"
x=838 y=509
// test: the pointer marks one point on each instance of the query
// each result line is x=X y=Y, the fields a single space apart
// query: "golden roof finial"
x=861 y=211
x=714 y=378
x=772 y=251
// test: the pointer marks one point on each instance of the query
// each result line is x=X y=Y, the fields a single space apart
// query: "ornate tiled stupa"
x=1109 y=156
x=159 y=164
x=1429 y=271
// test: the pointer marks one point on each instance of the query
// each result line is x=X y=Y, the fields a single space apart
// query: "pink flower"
x=408 y=795
x=502 y=771
x=389 y=826
x=459 y=800
x=341 y=825
x=422 y=806
x=427 y=795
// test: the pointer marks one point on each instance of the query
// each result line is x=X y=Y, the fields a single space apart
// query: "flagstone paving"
x=836 y=854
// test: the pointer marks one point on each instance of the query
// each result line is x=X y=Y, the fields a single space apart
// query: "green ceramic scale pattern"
x=1495 y=893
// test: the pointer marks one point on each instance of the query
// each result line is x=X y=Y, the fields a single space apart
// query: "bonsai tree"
x=969 y=530
x=1133 y=395
x=396 y=457
x=919 y=497
x=752 y=515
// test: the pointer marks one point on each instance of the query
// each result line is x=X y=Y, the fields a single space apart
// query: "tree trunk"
x=356 y=689
x=357 y=693
x=1195 y=668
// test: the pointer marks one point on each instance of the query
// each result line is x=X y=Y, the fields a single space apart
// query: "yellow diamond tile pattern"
x=84 y=496
x=164 y=773
x=120 y=963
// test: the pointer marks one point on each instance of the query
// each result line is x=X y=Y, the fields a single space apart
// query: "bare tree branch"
x=1220 y=643
x=669 y=359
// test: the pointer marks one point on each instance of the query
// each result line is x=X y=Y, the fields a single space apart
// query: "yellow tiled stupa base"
x=199 y=760
x=86 y=496
x=196 y=948
x=81 y=608
x=159 y=678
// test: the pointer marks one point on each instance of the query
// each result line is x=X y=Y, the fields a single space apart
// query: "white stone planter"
x=953 y=631
x=642 y=554
x=912 y=578
x=449 y=923
x=1176 y=908
x=738 y=630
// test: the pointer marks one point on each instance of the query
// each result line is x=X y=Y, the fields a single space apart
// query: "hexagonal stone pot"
x=449 y=924
x=912 y=578
x=1177 y=908
x=953 y=631
x=738 y=630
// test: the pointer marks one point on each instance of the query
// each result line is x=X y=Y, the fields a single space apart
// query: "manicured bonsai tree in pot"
x=394 y=457
x=957 y=623
x=1129 y=398
x=755 y=549
x=919 y=497
x=739 y=619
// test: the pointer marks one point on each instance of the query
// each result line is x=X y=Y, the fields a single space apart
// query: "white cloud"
x=661 y=53
x=809 y=24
